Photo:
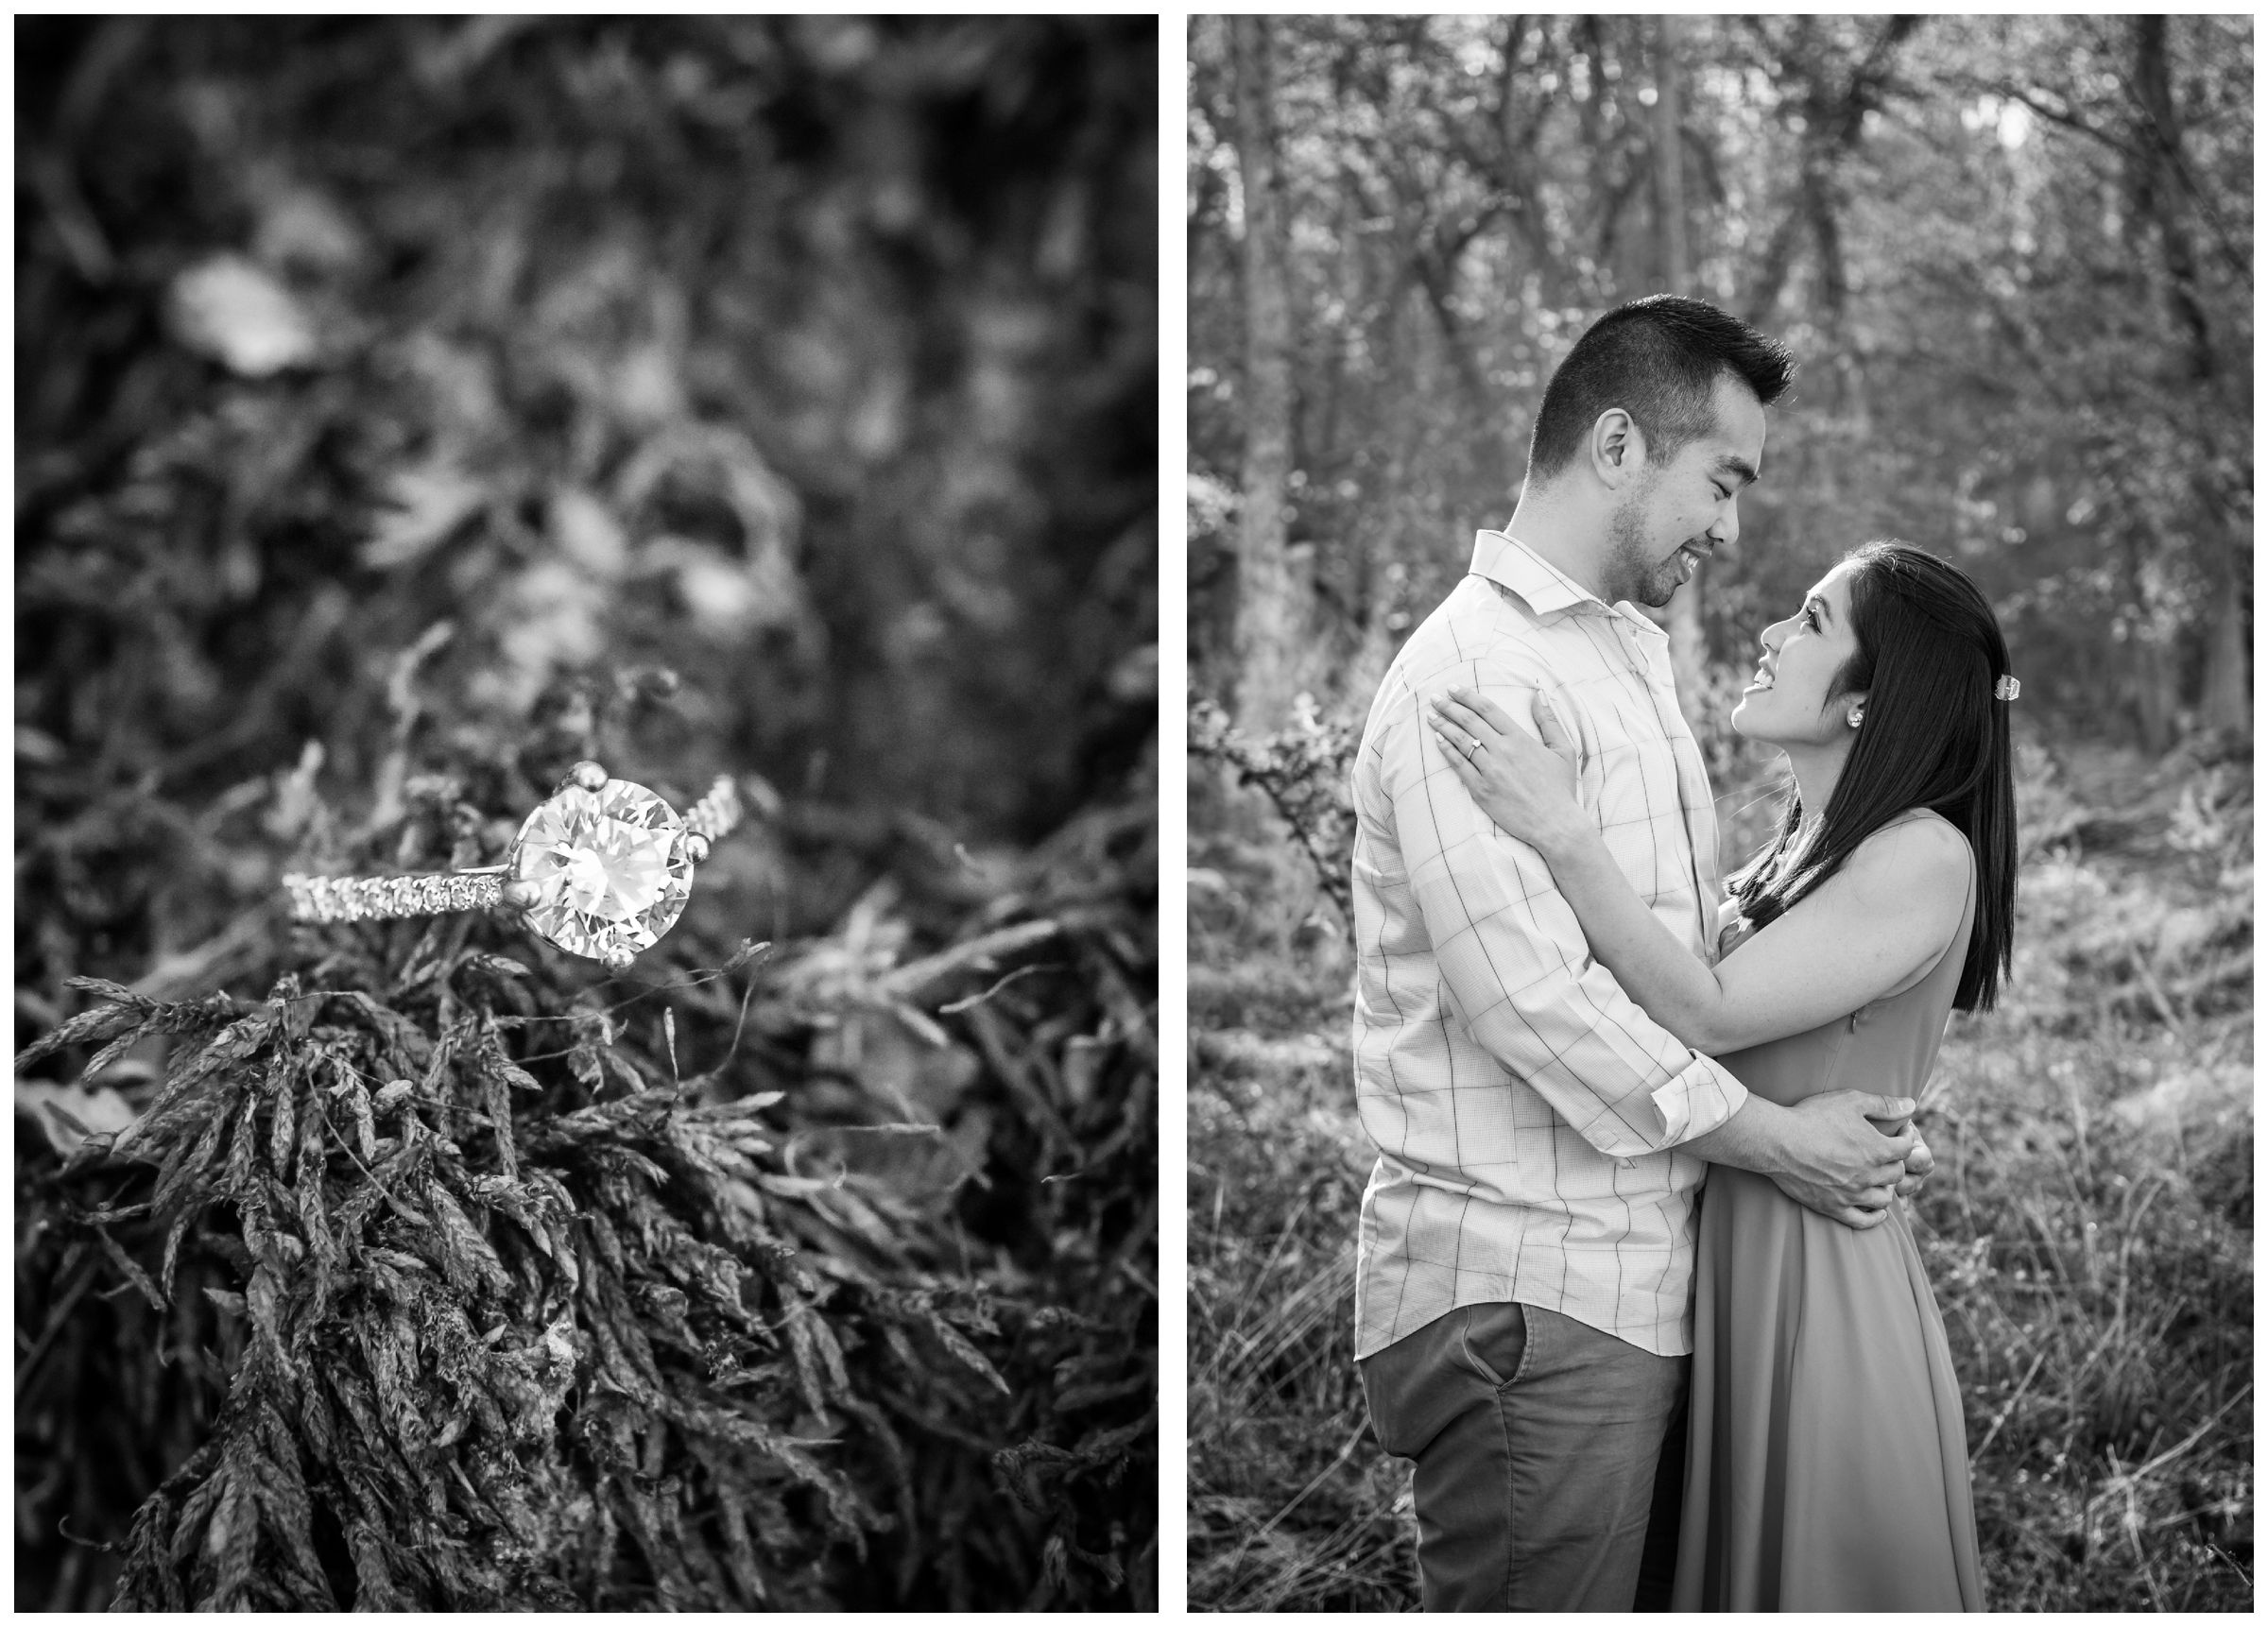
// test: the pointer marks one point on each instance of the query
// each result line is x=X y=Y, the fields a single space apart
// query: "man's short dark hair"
x=1658 y=359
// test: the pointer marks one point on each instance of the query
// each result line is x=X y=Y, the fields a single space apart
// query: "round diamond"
x=609 y=866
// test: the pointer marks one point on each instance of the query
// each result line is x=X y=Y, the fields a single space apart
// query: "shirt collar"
x=1504 y=559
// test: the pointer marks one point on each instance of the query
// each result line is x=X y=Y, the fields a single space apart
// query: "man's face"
x=1683 y=507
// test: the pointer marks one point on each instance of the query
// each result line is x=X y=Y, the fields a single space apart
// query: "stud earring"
x=1858 y=714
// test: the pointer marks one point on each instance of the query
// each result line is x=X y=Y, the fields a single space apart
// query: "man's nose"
x=1727 y=528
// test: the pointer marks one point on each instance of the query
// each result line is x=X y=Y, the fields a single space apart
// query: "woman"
x=1827 y=1467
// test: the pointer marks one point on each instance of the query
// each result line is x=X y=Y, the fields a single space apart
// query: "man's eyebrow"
x=1740 y=466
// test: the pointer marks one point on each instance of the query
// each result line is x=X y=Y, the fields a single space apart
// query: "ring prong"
x=617 y=959
x=696 y=846
x=517 y=894
x=587 y=775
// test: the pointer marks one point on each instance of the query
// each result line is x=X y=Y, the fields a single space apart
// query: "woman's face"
x=1790 y=704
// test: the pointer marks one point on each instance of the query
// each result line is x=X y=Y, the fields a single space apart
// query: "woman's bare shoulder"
x=1919 y=849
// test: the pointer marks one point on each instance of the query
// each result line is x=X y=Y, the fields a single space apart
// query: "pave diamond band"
x=716 y=815
x=602 y=868
x=390 y=898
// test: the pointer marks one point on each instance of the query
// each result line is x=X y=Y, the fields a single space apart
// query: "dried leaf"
x=425 y=505
x=228 y=308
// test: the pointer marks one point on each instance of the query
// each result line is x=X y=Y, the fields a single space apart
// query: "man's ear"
x=1618 y=449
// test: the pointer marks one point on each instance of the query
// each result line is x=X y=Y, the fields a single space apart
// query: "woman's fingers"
x=1460 y=765
x=1488 y=728
x=1475 y=727
x=1493 y=714
x=1461 y=713
x=1490 y=723
x=1497 y=718
x=1480 y=708
x=1477 y=711
x=1457 y=741
x=1464 y=736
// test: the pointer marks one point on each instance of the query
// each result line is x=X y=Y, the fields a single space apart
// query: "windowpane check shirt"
x=1526 y=1112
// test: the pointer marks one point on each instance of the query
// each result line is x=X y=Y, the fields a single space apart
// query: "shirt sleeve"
x=1518 y=971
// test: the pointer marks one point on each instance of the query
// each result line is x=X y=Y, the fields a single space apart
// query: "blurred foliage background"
x=2014 y=258
x=407 y=406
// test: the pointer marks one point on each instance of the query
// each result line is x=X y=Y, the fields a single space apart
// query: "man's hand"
x=1837 y=1160
x=1840 y=1154
x=1871 y=1207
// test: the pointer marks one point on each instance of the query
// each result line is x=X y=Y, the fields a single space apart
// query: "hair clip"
x=2006 y=687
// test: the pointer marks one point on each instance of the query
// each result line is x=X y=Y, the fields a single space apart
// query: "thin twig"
x=2188 y=1441
x=2007 y=1409
x=1323 y=1474
x=915 y=976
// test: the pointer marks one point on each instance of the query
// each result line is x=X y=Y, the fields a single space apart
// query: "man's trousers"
x=1539 y=1442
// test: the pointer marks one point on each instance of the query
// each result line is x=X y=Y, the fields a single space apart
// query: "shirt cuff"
x=1697 y=1100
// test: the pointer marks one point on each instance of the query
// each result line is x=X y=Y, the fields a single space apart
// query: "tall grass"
x=2089 y=1231
x=1292 y=1506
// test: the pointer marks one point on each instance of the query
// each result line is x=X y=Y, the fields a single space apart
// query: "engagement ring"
x=602 y=869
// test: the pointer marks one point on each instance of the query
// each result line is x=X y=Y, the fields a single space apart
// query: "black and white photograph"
x=585 y=813
x=1720 y=813
x=654 y=753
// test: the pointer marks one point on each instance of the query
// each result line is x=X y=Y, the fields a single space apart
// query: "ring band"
x=604 y=867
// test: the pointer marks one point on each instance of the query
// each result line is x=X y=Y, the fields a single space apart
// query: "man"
x=1523 y=1294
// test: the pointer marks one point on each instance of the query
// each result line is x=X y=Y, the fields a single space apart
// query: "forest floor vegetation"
x=2089 y=1230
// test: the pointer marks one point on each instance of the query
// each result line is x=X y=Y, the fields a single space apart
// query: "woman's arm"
x=1886 y=915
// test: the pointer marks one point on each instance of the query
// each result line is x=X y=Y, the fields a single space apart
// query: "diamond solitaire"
x=602 y=869
x=609 y=868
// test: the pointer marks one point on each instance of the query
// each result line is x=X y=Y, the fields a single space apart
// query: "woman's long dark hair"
x=1932 y=736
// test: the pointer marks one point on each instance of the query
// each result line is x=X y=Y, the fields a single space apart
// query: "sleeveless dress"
x=1826 y=1465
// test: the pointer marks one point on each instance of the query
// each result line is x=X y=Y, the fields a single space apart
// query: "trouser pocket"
x=1495 y=1341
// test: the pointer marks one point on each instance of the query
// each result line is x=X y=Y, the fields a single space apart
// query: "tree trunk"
x=2158 y=694
x=1669 y=159
x=2225 y=701
x=1689 y=641
x=2161 y=143
x=2156 y=671
x=1270 y=599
